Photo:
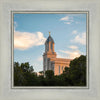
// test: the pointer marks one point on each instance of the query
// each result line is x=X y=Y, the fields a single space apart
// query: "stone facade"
x=50 y=62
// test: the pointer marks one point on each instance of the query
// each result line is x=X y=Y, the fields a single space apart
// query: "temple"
x=50 y=60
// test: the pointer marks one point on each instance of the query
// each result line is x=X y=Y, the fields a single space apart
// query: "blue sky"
x=31 y=31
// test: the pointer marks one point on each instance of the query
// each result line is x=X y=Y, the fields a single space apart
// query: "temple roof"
x=49 y=39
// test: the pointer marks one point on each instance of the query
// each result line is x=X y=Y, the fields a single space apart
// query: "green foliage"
x=78 y=71
x=49 y=74
x=22 y=74
x=75 y=75
x=26 y=67
x=18 y=75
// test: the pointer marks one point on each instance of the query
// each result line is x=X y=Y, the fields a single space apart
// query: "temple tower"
x=49 y=53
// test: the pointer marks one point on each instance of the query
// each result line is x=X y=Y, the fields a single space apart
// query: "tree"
x=78 y=71
x=49 y=74
x=66 y=70
x=75 y=75
x=19 y=79
x=26 y=67
x=23 y=74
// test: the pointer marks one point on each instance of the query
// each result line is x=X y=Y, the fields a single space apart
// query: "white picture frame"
x=49 y=12
x=6 y=90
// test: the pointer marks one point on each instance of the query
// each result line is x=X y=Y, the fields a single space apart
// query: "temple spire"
x=49 y=33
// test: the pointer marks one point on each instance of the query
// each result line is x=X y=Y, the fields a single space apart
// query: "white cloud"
x=71 y=54
x=73 y=47
x=25 y=40
x=70 y=18
x=67 y=19
x=67 y=22
x=80 y=39
x=74 y=32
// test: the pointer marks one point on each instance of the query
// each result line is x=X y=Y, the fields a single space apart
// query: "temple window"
x=51 y=46
x=62 y=68
x=59 y=69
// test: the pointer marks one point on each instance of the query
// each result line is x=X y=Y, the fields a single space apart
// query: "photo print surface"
x=50 y=49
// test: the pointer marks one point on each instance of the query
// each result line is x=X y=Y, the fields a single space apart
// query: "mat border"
x=49 y=12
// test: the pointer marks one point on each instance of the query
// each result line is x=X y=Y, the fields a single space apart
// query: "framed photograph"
x=39 y=60
x=49 y=50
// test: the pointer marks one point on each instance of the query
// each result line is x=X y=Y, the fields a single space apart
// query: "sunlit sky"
x=31 y=31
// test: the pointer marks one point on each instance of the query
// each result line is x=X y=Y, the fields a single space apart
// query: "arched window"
x=51 y=46
x=59 y=69
x=62 y=68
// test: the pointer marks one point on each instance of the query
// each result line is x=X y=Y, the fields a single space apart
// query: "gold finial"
x=49 y=33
